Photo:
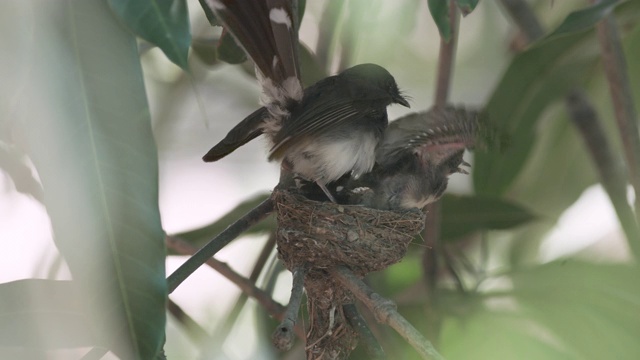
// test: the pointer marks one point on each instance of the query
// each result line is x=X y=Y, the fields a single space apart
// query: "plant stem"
x=283 y=335
x=585 y=118
x=446 y=59
x=525 y=18
x=272 y=307
x=194 y=330
x=372 y=347
x=431 y=233
x=222 y=330
x=612 y=174
x=615 y=69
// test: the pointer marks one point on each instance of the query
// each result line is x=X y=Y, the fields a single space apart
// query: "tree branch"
x=585 y=118
x=254 y=216
x=283 y=335
x=371 y=345
x=615 y=68
x=222 y=330
x=612 y=174
x=431 y=233
x=273 y=308
x=194 y=330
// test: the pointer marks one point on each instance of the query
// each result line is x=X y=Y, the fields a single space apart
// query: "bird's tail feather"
x=247 y=130
x=266 y=30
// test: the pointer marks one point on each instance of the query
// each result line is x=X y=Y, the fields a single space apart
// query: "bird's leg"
x=326 y=192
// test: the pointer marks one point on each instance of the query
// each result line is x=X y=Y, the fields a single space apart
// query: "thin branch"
x=222 y=330
x=448 y=261
x=585 y=118
x=446 y=59
x=273 y=308
x=371 y=345
x=431 y=233
x=254 y=216
x=525 y=18
x=262 y=258
x=385 y=311
x=194 y=330
x=283 y=335
x=612 y=174
x=615 y=68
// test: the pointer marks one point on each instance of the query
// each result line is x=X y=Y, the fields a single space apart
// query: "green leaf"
x=466 y=6
x=497 y=335
x=585 y=19
x=87 y=126
x=531 y=84
x=311 y=70
x=560 y=155
x=400 y=276
x=44 y=314
x=164 y=23
x=205 y=50
x=201 y=236
x=562 y=310
x=302 y=6
x=462 y=215
x=229 y=51
x=580 y=303
x=439 y=10
x=536 y=78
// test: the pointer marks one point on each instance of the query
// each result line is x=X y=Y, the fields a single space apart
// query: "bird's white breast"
x=329 y=157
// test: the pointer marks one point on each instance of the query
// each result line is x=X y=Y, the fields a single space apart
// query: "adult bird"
x=331 y=128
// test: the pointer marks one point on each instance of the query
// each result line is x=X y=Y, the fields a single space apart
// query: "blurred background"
x=510 y=296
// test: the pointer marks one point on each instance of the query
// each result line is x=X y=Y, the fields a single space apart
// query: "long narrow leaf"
x=516 y=105
x=87 y=125
x=45 y=314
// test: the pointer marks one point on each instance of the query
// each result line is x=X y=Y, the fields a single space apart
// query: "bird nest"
x=317 y=236
x=322 y=235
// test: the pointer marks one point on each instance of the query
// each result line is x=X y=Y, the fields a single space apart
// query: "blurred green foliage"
x=89 y=138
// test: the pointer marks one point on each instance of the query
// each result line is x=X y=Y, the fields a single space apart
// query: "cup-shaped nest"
x=322 y=235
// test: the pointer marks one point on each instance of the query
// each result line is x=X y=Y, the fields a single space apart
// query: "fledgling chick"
x=415 y=159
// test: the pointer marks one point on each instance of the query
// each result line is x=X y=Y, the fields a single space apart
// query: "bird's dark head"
x=377 y=76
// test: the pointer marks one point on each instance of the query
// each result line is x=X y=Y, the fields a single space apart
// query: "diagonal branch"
x=612 y=174
x=223 y=329
x=253 y=217
x=273 y=308
x=615 y=68
x=585 y=118
x=372 y=347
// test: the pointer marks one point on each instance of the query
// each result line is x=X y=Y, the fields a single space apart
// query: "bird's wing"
x=439 y=129
x=319 y=114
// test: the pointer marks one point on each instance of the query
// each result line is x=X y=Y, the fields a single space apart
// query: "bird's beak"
x=398 y=99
